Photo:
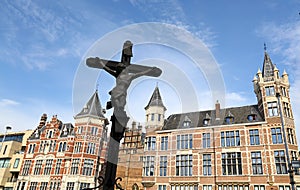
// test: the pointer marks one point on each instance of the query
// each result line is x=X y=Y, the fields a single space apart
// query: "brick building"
x=131 y=157
x=132 y=150
x=62 y=156
x=237 y=148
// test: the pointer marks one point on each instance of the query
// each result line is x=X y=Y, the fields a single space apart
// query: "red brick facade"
x=240 y=148
x=63 y=156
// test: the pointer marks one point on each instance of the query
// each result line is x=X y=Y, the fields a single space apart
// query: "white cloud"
x=36 y=17
x=28 y=115
x=172 y=12
x=236 y=99
x=8 y=102
x=37 y=35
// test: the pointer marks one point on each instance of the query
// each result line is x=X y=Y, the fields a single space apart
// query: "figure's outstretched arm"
x=149 y=71
x=95 y=62
x=100 y=64
x=110 y=71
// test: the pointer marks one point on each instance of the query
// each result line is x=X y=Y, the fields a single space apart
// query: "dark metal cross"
x=125 y=73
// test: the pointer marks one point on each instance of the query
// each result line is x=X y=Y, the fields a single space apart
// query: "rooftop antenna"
x=265 y=47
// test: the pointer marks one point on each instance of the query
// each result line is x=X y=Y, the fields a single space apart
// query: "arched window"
x=152 y=117
x=152 y=170
x=33 y=148
x=50 y=134
x=60 y=147
x=41 y=146
x=50 y=146
x=54 y=145
x=64 y=146
x=135 y=187
x=29 y=149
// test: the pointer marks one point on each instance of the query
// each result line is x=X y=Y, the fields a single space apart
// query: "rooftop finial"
x=265 y=47
x=97 y=86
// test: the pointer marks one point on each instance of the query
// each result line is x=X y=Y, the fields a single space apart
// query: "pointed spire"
x=284 y=73
x=155 y=99
x=268 y=67
x=258 y=71
x=92 y=107
x=285 y=77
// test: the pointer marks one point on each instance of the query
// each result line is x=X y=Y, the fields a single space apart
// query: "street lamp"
x=7 y=128
x=290 y=169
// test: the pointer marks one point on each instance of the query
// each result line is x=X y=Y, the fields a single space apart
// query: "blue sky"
x=43 y=45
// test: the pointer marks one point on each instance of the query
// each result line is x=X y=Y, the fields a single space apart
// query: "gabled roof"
x=240 y=115
x=67 y=129
x=268 y=67
x=92 y=107
x=155 y=99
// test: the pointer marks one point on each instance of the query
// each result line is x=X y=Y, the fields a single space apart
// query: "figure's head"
x=127 y=48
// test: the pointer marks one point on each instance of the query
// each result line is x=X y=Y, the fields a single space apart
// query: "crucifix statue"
x=125 y=73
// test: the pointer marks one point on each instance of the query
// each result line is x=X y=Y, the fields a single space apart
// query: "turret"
x=155 y=112
x=266 y=84
x=92 y=108
x=91 y=118
x=285 y=77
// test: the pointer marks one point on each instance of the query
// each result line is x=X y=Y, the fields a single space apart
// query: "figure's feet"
x=108 y=105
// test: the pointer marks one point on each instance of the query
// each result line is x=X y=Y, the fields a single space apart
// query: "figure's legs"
x=117 y=102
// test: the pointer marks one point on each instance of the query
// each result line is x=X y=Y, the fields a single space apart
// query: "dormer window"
x=251 y=117
x=65 y=131
x=206 y=120
x=86 y=108
x=187 y=122
x=229 y=119
x=36 y=133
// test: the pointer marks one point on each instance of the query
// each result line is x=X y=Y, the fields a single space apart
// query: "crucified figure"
x=119 y=92
x=123 y=81
x=125 y=73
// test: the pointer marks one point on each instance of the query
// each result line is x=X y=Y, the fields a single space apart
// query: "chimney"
x=133 y=126
x=217 y=110
x=140 y=127
x=43 y=120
